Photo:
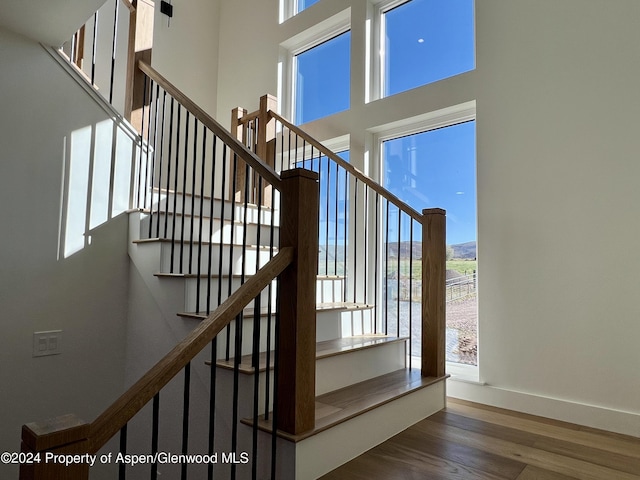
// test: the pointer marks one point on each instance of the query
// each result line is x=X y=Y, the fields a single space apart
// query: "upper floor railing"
x=107 y=48
x=367 y=235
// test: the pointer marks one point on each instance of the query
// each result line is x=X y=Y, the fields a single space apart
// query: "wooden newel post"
x=266 y=141
x=138 y=48
x=53 y=443
x=297 y=327
x=434 y=257
x=238 y=130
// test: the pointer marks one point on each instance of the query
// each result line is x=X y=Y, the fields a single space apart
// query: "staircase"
x=365 y=392
x=266 y=260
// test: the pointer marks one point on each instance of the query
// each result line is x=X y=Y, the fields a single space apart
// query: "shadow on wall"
x=98 y=178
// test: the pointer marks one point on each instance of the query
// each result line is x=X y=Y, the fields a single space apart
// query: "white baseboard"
x=617 y=421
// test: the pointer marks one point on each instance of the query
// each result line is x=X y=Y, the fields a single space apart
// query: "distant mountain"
x=466 y=251
x=405 y=248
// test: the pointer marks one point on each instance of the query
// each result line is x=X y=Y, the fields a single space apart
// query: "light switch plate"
x=47 y=343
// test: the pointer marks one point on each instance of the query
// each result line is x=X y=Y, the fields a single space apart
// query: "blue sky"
x=425 y=41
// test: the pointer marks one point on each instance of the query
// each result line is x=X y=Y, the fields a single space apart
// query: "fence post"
x=434 y=256
x=65 y=435
x=297 y=325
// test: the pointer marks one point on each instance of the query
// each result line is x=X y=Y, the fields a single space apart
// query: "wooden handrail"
x=247 y=117
x=268 y=173
x=351 y=169
x=133 y=400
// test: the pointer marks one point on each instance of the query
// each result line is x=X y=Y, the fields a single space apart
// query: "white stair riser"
x=224 y=209
x=344 y=323
x=247 y=336
x=220 y=231
x=218 y=256
x=329 y=290
x=219 y=289
x=335 y=372
x=245 y=392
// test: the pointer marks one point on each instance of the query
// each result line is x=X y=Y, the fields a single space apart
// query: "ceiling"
x=51 y=22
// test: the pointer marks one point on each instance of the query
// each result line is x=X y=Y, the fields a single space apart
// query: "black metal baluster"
x=376 y=266
x=386 y=274
x=281 y=150
x=93 y=48
x=335 y=246
x=355 y=240
x=256 y=344
x=199 y=260
x=212 y=403
x=398 y=268
x=122 y=473
x=149 y=170
x=144 y=100
x=153 y=159
x=366 y=241
x=184 y=194
x=222 y=209
x=211 y=215
x=233 y=219
x=239 y=323
x=185 y=417
x=72 y=49
x=166 y=210
x=193 y=202
x=346 y=230
x=326 y=237
x=272 y=230
x=175 y=192
x=410 y=289
x=154 y=434
x=113 y=50
x=164 y=104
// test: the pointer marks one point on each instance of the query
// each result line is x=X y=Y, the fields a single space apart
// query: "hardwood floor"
x=472 y=441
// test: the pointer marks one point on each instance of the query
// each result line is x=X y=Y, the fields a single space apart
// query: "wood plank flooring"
x=472 y=441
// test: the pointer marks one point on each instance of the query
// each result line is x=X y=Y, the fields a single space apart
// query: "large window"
x=437 y=168
x=322 y=79
x=423 y=41
x=302 y=4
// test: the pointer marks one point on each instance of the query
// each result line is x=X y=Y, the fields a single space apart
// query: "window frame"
x=377 y=48
x=446 y=117
x=320 y=33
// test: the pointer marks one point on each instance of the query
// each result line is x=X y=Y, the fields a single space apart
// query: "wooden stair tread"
x=234 y=275
x=205 y=216
x=346 y=403
x=320 y=307
x=170 y=191
x=325 y=306
x=201 y=242
x=324 y=349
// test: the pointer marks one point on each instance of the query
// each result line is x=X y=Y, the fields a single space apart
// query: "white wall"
x=85 y=294
x=185 y=49
x=558 y=143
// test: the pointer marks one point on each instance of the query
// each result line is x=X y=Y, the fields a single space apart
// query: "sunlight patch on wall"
x=97 y=178
x=78 y=187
